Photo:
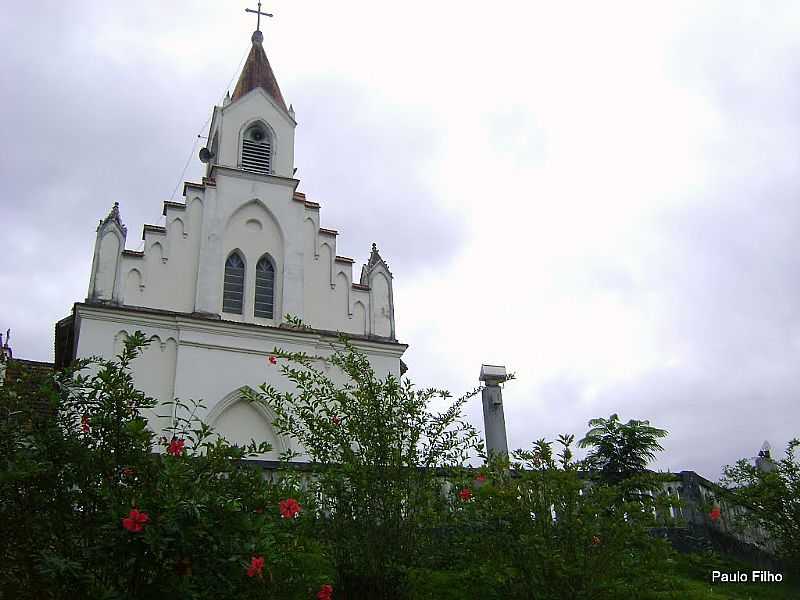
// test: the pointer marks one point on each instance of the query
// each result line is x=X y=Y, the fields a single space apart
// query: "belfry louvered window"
x=265 y=288
x=233 y=290
x=257 y=150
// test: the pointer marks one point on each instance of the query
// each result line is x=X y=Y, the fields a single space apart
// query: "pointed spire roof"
x=258 y=73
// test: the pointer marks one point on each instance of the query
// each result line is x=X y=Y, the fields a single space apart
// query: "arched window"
x=257 y=149
x=233 y=290
x=265 y=288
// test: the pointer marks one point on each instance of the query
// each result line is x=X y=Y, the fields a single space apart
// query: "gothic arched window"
x=257 y=149
x=233 y=289
x=265 y=288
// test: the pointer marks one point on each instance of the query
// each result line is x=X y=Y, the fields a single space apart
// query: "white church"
x=211 y=288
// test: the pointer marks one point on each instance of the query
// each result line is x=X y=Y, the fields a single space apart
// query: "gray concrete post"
x=494 y=421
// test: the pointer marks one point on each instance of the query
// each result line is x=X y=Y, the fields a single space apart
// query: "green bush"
x=88 y=510
x=388 y=509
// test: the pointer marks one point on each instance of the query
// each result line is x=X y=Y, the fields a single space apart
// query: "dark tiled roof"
x=258 y=73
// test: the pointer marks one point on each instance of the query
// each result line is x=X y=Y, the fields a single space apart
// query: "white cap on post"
x=494 y=422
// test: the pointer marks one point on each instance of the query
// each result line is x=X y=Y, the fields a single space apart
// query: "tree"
x=535 y=528
x=89 y=510
x=620 y=450
x=378 y=445
x=771 y=493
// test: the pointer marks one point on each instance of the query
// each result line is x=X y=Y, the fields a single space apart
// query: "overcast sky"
x=603 y=197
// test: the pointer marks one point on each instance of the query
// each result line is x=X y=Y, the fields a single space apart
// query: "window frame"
x=238 y=253
x=266 y=257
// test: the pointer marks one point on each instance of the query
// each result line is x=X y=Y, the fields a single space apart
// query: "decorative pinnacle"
x=113 y=215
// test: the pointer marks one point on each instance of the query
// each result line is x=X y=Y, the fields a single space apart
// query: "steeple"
x=258 y=73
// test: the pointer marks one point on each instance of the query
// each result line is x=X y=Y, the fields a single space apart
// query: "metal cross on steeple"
x=259 y=13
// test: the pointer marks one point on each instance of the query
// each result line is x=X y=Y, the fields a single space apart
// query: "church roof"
x=258 y=73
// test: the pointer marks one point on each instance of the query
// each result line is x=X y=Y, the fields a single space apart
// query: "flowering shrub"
x=256 y=566
x=535 y=524
x=381 y=444
x=133 y=523
x=715 y=514
x=392 y=513
x=289 y=508
x=175 y=447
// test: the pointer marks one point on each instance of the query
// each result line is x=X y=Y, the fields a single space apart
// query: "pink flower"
x=465 y=494
x=272 y=360
x=336 y=420
x=715 y=514
x=85 y=423
x=256 y=566
x=480 y=478
x=325 y=592
x=135 y=521
x=289 y=508
x=176 y=447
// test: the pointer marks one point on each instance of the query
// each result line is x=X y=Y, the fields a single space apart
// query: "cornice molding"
x=179 y=322
x=242 y=174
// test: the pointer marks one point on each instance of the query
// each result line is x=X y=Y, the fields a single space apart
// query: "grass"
x=684 y=577
x=688 y=577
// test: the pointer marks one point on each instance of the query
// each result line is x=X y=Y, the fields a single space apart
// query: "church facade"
x=212 y=287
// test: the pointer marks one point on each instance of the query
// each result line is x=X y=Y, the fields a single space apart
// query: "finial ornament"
x=114 y=216
x=258 y=37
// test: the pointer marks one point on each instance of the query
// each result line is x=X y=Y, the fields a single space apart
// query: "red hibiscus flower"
x=135 y=521
x=480 y=478
x=289 y=508
x=272 y=360
x=176 y=447
x=85 y=423
x=595 y=540
x=715 y=514
x=325 y=592
x=256 y=566
x=465 y=494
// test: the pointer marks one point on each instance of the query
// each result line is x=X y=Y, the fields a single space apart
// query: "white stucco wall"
x=209 y=361
x=181 y=268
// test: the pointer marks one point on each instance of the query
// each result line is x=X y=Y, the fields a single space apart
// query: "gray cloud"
x=367 y=165
x=95 y=124
x=90 y=123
